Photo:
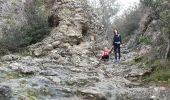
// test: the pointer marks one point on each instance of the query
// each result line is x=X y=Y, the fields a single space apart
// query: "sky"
x=124 y=5
x=128 y=3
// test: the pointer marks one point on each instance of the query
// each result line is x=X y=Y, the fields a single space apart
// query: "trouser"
x=117 y=50
x=105 y=58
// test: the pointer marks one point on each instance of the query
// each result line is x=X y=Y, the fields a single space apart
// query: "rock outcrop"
x=77 y=25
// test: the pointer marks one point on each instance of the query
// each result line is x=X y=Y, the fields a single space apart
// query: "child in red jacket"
x=105 y=54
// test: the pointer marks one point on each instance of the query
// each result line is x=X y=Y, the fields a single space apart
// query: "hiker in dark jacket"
x=117 y=42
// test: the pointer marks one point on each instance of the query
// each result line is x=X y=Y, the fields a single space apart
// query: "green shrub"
x=160 y=68
x=159 y=76
x=145 y=40
x=127 y=24
x=165 y=18
x=154 y=4
x=161 y=71
x=33 y=31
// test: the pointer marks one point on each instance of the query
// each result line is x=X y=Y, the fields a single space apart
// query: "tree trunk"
x=167 y=56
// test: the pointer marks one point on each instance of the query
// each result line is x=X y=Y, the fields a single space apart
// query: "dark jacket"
x=117 y=39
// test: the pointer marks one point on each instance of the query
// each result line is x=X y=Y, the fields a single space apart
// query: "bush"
x=128 y=23
x=165 y=18
x=159 y=76
x=145 y=40
x=160 y=68
x=31 y=32
x=161 y=71
x=154 y=4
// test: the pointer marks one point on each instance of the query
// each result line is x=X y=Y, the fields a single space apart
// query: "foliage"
x=145 y=40
x=128 y=23
x=159 y=77
x=165 y=18
x=154 y=4
x=161 y=68
x=24 y=52
x=108 y=9
x=161 y=71
x=33 y=31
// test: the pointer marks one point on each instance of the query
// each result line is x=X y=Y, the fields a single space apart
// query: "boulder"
x=56 y=44
x=92 y=94
x=10 y=57
x=23 y=68
x=38 y=52
x=48 y=47
x=5 y=92
x=54 y=79
x=65 y=45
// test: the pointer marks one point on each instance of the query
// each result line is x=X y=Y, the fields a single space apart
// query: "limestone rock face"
x=74 y=35
x=75 y=24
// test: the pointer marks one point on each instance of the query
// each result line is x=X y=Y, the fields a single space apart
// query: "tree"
x=165 y=18
x=129 y=22
x=32 y=31
x=108 y=9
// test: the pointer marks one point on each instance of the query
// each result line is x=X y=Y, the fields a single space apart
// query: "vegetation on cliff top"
x=34 y=30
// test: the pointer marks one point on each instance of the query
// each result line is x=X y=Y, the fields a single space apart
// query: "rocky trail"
x=28 y=78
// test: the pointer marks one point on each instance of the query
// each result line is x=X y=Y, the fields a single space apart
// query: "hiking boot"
x=115 y=60
x=118 y=60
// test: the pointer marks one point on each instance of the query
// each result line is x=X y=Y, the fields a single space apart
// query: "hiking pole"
x=93 y=53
